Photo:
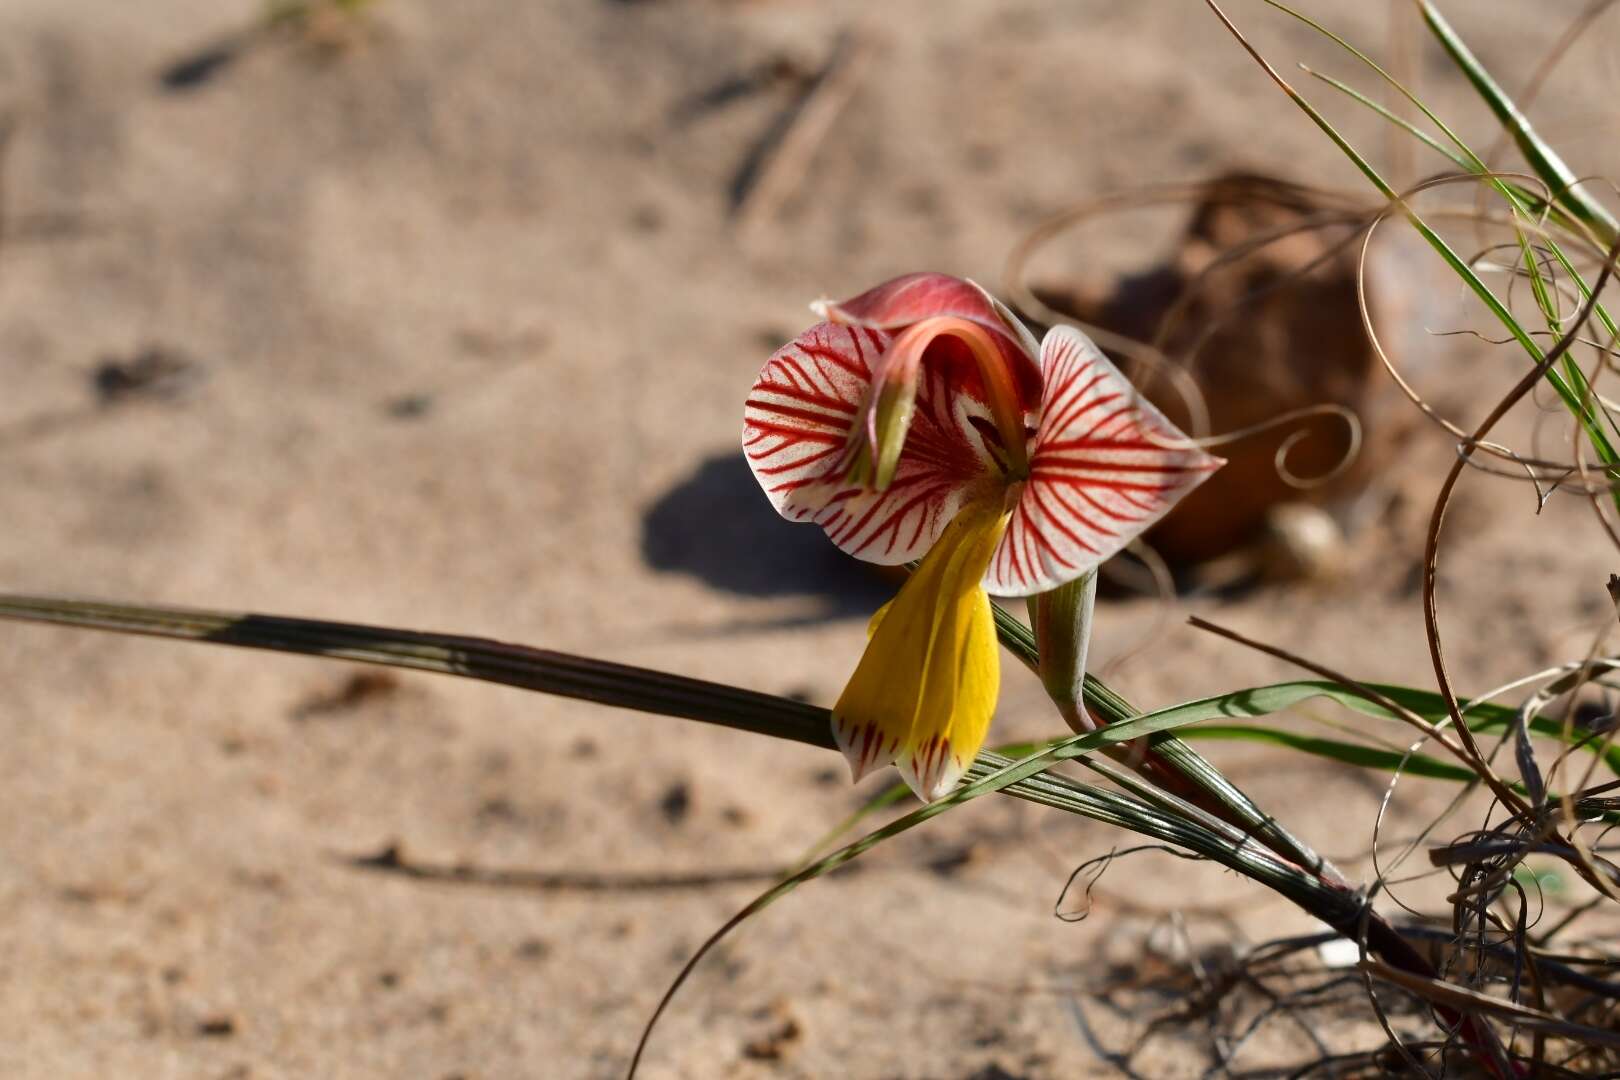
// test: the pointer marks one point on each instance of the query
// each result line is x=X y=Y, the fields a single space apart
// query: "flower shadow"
x=717 y=526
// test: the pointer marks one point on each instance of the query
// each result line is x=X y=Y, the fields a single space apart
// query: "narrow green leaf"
x=1541 y=156
x=1365 y=757
x=1481 y=716
x=543 y=670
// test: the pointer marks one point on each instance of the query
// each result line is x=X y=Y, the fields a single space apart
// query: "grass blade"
x=1541 y=156
x=1577 y=398
x=1026 y=778
x=1347 y=753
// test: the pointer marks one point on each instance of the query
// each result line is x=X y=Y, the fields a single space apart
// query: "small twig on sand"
x=8 y=128
x=391 y=860
x=780 y=161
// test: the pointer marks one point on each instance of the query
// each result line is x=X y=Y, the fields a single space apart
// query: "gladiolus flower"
x=921 y=420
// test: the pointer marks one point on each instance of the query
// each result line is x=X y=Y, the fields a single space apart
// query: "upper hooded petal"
x=1104 y=467
x=909 y=299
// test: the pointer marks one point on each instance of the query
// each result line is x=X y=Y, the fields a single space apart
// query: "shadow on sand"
x=717 y=526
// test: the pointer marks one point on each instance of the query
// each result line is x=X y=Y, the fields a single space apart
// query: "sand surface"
x=461 y=321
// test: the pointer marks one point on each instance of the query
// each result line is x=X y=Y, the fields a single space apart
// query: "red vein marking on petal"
x=1040 y=544
x=1060 y=473
x=795 y=376
x=1092 y=464
x=875 y=340
x=869 y=743
x=1012 y=552
x=772 y=470
x=792 y=434
x=916 y=534
x=1036 y=497
x=1115 y=514
x=845 y=535
x=890 y=524
x=1024 y=540
x=1076 y=399
x=828 y=355
x=1095 y=403
x=1126 y=410
x=1146 y=506
x=777 y=408
x=1080 y=516
x=806 y=395
x=1144 y=445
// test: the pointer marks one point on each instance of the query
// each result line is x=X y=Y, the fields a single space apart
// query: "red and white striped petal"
x=797 y=438
x=1105 y=466
x=798 y=416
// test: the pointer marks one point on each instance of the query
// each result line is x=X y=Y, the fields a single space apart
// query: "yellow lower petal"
x=923 y=693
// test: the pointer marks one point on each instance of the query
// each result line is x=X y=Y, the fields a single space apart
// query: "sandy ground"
x=465 y=326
